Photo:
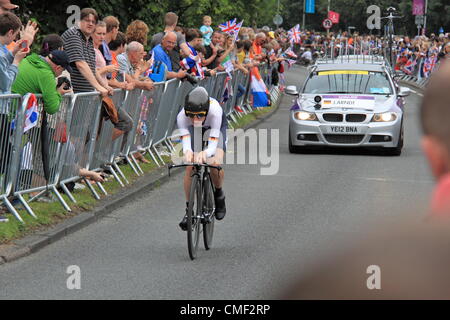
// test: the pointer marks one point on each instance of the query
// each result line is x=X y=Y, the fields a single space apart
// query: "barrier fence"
x=56 y=150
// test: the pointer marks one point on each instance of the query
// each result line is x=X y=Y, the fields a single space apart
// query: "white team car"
x=348 y=104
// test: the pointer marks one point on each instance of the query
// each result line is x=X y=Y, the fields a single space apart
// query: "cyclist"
x=203 y=119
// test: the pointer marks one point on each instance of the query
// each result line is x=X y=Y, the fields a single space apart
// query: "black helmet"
x=197 y=100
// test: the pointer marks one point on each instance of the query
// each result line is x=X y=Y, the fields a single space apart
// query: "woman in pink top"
x=103 y=70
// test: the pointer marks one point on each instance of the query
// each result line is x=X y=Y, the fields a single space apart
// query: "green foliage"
x=256 y=13
x=353 y=13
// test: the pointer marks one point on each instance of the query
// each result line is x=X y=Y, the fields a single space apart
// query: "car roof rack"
x=374 y=53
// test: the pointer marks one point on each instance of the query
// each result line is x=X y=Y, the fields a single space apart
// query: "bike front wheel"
x=208 y=209
x=193 y=217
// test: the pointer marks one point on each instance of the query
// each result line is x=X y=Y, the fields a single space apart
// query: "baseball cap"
x=60 y=58
x=272 y=34
x=6 y=4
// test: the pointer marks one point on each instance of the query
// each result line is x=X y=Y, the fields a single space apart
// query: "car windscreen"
x=348 y=81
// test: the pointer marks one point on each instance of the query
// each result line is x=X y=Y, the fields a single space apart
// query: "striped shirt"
x=78 y=48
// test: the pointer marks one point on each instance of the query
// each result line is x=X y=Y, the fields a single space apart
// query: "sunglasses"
x=197 y=115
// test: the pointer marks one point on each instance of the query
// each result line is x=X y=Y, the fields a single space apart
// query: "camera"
x=64 y=80
x=192 y=80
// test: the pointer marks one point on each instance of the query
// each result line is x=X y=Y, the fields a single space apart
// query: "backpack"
x=159 y=72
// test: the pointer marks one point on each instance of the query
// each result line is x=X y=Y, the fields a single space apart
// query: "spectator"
x=170 y=22
x=306 y=57
x=133 y=66
x=435 y=116
x=112 y=29
x=258 y=54
x=7 y=6
x=117 y=47
x=162 y=52
x=212 y=51
x=79 y=45
x=28 y=33
x=50 y=43
x=101 y=65
x=9 y=29
x=9 y=61
x=137 y=31
x=37 y=75
x=240 y=52
x=206 y=30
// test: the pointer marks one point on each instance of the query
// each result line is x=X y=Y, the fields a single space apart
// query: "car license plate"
x=342 y=129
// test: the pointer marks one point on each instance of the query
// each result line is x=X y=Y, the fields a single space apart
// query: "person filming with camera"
x=37 y=75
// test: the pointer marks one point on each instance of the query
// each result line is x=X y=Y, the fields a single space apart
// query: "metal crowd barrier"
x=78 y=137
x=12 y=113
x=82 y=128
x=41 y=155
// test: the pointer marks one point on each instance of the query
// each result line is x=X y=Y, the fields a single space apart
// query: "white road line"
x=396 y=180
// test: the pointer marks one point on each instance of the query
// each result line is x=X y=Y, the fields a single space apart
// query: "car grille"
x=356 y=117
x=344 y=138
x=333 y=117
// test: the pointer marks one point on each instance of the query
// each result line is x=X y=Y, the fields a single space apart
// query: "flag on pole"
x=237 y=29
x=229 y=26
x=418 y=7
x=294 y=34
x=232 y=27
x=333 y=16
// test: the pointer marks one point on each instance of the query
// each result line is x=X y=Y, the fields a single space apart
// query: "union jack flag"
x=410 y=66
x=237 y=29
x=229 y=26
x=290 y=62
x=428 y=66
x=294 y=34
x=290 y=53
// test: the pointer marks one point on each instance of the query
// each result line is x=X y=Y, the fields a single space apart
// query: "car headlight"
x=384 y=117
x=305 y=116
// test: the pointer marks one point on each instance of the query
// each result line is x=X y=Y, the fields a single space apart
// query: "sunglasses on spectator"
x=197 y=115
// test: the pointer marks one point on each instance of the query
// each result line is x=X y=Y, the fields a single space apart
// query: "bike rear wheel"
x=193 y=217
x=208 y=211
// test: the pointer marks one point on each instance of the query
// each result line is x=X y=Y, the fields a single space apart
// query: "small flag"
x=290 y=53
x=31 y=114
x=409 y=66
x=291 y=62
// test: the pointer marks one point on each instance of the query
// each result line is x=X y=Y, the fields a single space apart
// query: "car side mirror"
x=404 y=92
x=291 y=90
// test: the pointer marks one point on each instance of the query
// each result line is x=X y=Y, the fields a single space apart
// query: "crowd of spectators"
x=95 y=56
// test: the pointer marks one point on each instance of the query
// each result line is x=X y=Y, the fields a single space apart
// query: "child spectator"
x=206 y=30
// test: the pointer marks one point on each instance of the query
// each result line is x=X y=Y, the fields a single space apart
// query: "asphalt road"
x=275 y=225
